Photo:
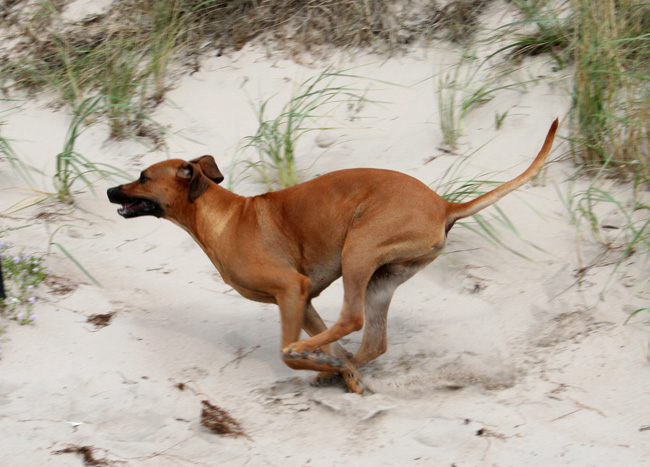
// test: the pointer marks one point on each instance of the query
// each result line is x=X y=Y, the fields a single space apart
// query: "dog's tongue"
x=126 y=207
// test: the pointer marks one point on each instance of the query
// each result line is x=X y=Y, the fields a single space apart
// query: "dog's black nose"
x=111 y=192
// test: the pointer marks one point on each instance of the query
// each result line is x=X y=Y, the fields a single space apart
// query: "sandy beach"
x=494 y=358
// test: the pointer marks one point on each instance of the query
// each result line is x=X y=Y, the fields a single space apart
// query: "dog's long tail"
x=457 y=211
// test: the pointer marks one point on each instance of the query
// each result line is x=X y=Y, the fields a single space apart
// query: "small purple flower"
x=27 y=257
x=33 y=317
x=31 y=300
x=30 y=288
x=19 y=316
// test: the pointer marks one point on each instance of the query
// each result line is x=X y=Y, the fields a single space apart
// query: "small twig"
x=565 y=415
x=240 y=355
x=584 y=406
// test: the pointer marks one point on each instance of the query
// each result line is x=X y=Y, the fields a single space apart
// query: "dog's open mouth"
x=133 y=206
x=138 y=207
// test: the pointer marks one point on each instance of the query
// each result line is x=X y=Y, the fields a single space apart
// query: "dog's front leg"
x=314 y=325
x=295 y=313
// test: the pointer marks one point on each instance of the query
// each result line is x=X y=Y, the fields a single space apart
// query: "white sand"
x=493 y=359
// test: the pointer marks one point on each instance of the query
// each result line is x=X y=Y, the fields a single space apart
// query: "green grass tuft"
x=276 y=138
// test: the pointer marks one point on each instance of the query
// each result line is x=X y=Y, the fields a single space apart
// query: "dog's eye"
x=142 y=178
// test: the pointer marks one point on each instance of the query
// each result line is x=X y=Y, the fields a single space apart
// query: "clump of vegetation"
x=611 y=94
x=22 y=274
x=552 y=31
x=458 y=19
x=608 y=45
x=125 y=52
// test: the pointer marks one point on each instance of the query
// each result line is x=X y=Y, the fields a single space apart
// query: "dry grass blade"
x=7 y=151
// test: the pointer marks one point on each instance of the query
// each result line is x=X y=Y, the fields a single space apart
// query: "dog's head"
x=165 y=186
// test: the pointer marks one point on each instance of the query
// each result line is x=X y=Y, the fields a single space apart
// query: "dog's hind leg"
x=357 y=271
x=379 y=294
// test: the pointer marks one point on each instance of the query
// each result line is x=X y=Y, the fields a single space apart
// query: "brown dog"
x=376 y=228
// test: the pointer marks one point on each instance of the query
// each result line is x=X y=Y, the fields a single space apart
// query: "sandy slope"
x=493 y=359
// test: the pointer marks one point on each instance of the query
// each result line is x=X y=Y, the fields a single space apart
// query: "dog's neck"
x=208 y=216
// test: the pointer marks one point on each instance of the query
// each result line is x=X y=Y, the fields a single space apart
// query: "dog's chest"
x=250 y=294
x=323 y=274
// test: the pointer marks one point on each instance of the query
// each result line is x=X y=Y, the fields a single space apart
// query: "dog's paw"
x=324 y=379
x=317 y=357
x=354 y=382
x=290 y=355
x=345 y=378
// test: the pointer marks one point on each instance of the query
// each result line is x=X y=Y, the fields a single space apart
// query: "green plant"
x=135 y=42
x=628 y=201
x=464 y=87
x=113 y=59
x=553 y=31
x=636 y=312
x=449 y=108
x=120 y=87
x=609 y=45
x=499 y=117
x=611 y=97
x=169 y=23
x=276 y=138
x=72 y=166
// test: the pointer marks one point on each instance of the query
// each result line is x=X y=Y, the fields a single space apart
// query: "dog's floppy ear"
x=209 y=168
x=198 y=181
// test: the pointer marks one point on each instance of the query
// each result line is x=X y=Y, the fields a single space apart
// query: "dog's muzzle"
x=133 y=206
